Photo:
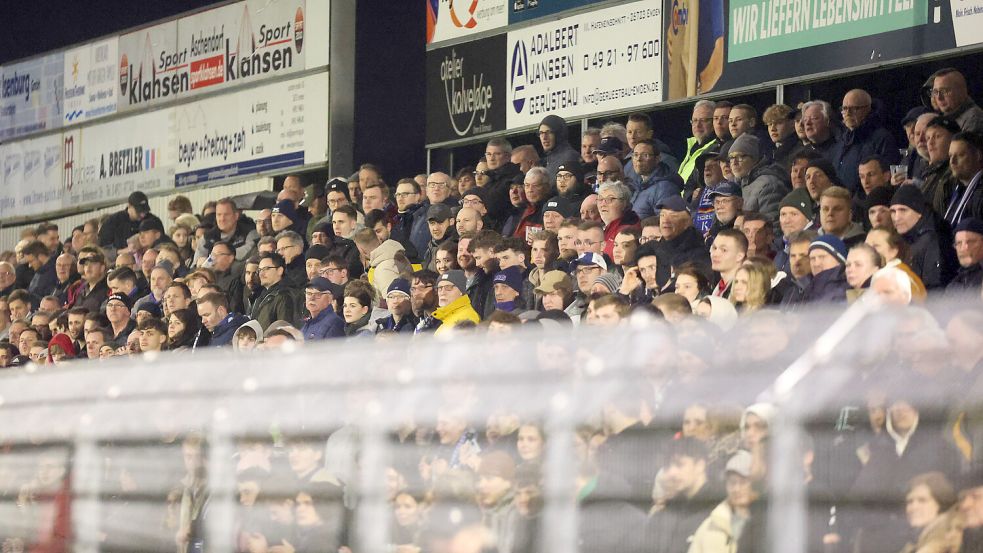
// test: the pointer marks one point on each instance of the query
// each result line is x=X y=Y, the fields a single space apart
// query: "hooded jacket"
x=228 y=328
x=763 y=189
x=562 y=152
x=661 y=184
x=382 y=261
x=278 y=302
x=254 y=325
x=715 y=534
x=455 y=312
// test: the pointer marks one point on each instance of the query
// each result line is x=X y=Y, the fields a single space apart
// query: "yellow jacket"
x=455 y=312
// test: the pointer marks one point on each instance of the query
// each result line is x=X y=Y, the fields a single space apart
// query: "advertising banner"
x=713 y=45
x=449 y=19
x=90 y=81
x=31 y=96
x=967 y=21
x=107 y=162
x=255 y=130
x=466 y=89
x=525 y=10
x=31 y=170
x=598 y=61
x=234 y=44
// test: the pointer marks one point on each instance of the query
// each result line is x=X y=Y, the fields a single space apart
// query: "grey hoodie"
x=562 y=152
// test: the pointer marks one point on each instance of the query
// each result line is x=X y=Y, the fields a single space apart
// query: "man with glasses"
x=335 y=269
x=609 y=169
x=586 y=269
x=681 y=242
x=454 y=306
x=762 y=185
x=320 y=299
x=407 y=203
x=438 y=191
x=401 y=318
x=727 y=206
x=590 y=238
x=816 y=122
x=290 y=246
x=557 y=150
x=952 y=96
x=864 y=137
x=653 y=181
x=8 y=278
x=277 y=302
x=538 y=189
x=118 y=312
x=703 y=140
x=228 y=273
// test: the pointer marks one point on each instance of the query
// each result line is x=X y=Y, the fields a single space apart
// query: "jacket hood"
x=385 y=251
x=558 y=125
x=722 y=313
x=764 y=411
x=253 y=324
x=767 y=169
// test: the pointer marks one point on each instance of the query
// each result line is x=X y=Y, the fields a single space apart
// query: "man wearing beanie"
x=571 y=185
x=508 y=289
x=969 y=250
x=795 y=214
x=932 y=255
x=827 y=259
x=125 y=223
x=820 y=175
x=878 y=206
x=763 y=185
x=401 y=317
x=454 y=306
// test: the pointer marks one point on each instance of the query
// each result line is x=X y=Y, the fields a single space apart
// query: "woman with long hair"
x=183 y=326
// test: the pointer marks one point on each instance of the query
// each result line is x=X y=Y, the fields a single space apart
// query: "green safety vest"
x=689 y=162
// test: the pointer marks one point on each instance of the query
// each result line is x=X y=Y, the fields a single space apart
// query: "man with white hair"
x=816 y=120
x=538 y=189
x=892 y=286
x=614 y=205
x=864 y=137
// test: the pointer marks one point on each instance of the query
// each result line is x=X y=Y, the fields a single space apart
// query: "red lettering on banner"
x=207 y=72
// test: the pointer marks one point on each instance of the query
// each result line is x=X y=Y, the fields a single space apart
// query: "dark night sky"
x=36 y=26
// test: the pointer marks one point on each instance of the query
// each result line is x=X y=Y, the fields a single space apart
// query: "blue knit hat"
x=511 y=277
x=400 y=285
x=970 y=224
x=833 y=245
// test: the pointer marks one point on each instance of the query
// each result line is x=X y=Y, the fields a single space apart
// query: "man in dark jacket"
x=277 y=302
x=94 y=290
x=39 y=258
x=681 y=242
x=290 y=245
x=213 y=309
x=228 y=274
x=865 y=136
x=691 y=497
x=438 y=192
x=401 y=318
x=653 y=180
x=320 y=298
x=123 y=224
x=827 y=260
x=932 y=255
x=969 y=250
x=501 y=173
x=557 y=150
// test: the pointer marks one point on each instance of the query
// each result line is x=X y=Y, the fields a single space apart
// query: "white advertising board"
x=31 y=96
x=449 y=19
x=90 y=81
x=260 y=129
x=598 y=61
x=31 y=171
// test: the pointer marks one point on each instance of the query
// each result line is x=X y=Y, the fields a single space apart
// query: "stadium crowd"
x=759 y=215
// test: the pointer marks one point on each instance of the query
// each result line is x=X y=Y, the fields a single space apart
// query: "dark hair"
x=153 y=323
x=35 y=247
x=513 y=243
x=691 y=269
x=881 y=162
x=19 y=295
x=724 y=104
x=687 y=447
x=225 y=244
x=337 y=260
x=413 y=183
x=347 y=210
x=974 y=140
x=737 y=235
x=896 y=241
x=183 y=287
x=808 y=155
x=361 y=291
x=125 y=274
x=640 y=117
x=486 y=239
x=503 y=317
x=218 y=299
x=192 y=324
x=374 y=217
x=425 y=276
x=276 y=258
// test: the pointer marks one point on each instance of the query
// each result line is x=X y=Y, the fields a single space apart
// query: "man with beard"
x=479 y=286
x=423 y=299
x=570 y=184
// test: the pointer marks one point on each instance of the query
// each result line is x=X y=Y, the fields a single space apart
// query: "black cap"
x=322 y=284
x=119 y=296
x=337 y=185
x=560 y=205
x=610 y=145
x=139 y=202
x=673 y=203
x=944 y=122
x=910 y=196
x=913 y=114
x=152 y=223
x=317 y=251
x=970 y=224
x=439 y=213
x=880 y=195
x=574 y=168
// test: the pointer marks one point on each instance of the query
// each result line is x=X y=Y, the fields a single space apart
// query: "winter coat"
x=44 y=280
x=969 y=116
x=671 y=529
x=388 y=324
x=870 y=138
x=562 y=152
x=763 y=189
x=243 y=239
x=930 y=259
x=361 y=328
x=382 y=260
x=967 y=280
x=226 y=330
x=687 y=167
x=420 y=231
x=530 y=220
x=935 y=537
x=828 y=286
x=715 y=534
x=687 y=247
x=118 y=228
x=277 y=303
x=231 y=282
x=497 y=191
x=327 y=324
x=661 y=184
x=455 y=312
x=938 y=186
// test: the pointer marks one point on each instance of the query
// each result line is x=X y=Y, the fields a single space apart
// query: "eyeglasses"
x=420 y=287
x=285 y=248
x=405 y=194
x=853 y=109
x=704 y=120
x=588 y=268
x=643 y=156
x=436 y=184
x=394 y=298
x=607 y=199
x=738 y=158
x=940 y=92
x=609 y=174
x=314 y=294
x=532 y=184
x=472 y=201
x=481 y=173
x=446 y=288
x=564 y=175
x=261 y=269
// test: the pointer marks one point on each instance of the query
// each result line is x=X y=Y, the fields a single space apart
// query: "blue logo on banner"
x=72 y=115
x=518 y=76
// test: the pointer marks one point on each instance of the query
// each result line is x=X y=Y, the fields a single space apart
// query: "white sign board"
x=31 y=171
x=599 y=61
x=90 y=81
x=967 y=21
x=455 y=19
x=31 y=96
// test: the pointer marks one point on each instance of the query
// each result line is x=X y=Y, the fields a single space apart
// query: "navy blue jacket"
x=327 y=324
x=223 y=333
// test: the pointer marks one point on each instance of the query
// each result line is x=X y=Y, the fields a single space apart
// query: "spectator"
x=861 y=264
x=652 y=181
x=763 y=186
x=702 y=141
x=235 y=229
x=969 y=251
x=124 y=224
x=727 y=253
x=896 y=253
x=538 y=190
x=827 y=262
x=321 y=297
x=913 y=219
x=865 y=136
x=689 y=497
x=277 y=302
x=728 y=205
x=835 y=212
x=966 y=164
x=939 y=182
x=359 y=297
x=780 y=121
x=721 y=121
x=816 y=118
x=950 y=91
x=727 y=524
x=453 y=303
x=681 y=243
x=616 y=211
x=556 y=145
